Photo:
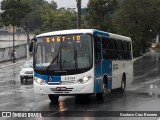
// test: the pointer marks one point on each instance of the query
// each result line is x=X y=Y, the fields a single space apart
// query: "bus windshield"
x=63 y=53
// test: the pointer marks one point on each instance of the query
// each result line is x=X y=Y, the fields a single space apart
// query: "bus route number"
x=70 y=78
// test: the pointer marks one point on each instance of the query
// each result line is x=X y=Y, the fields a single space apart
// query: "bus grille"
x=61 y=89
x=67 y=82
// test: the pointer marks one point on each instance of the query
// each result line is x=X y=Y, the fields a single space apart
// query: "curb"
x=1 y=67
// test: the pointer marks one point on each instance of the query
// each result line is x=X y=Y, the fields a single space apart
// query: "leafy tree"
x=100 y=13
x=1 y=23
x=136 y=19
x=57 y=19
x=53 y=5
x=35 y=18
x=64 y=16
x=13 y=11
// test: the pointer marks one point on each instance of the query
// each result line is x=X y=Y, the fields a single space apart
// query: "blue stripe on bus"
x=110 y=83
x=48 y=78
x=43 y=77
x=96 y=32
x=99 y=72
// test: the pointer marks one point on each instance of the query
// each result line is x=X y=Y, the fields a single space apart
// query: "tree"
x=136 y=19
x=13 y=11
x=53 y=5
x=100 y=14
x=57 y=19
x=1 y=23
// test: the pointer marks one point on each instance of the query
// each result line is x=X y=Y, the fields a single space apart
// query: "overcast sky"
x=69 y=3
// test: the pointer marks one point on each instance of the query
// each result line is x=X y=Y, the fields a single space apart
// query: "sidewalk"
x=17 y=61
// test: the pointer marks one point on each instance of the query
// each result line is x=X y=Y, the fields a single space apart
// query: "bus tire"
x=101 y=95
x=123 y=84
x=53 y=98
x=21 y=78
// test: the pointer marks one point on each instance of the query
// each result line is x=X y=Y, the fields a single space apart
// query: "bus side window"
x=97 y=50
x=105 y=44
x=120 y=49
x=112 y=48
x=129 y=50
x=125 y=54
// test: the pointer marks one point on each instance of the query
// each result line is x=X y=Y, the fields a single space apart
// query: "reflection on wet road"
x=141 y=95
x=147 y=75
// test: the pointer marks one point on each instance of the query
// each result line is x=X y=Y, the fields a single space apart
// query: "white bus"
x=81 y=62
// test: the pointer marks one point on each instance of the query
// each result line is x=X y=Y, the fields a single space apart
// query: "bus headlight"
x=84 y=79
x=40 y=81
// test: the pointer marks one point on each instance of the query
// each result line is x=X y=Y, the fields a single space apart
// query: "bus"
x=81 y=62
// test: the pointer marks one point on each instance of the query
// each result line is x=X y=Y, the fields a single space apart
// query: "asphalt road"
x=141 y=95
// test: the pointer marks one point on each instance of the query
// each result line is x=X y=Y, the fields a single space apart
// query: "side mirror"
x=31 y=44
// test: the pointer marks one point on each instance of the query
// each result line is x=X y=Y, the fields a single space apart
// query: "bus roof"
x=84 y=31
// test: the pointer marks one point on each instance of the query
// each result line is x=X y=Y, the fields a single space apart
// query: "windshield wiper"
x=54 y=59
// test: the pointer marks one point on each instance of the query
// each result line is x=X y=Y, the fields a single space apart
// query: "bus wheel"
x=53 y=98
x=101 y=95
x=21 y=78
x=123 y=84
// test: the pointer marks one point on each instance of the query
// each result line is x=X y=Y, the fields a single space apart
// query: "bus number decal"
x=70 y=78
x=115 y=66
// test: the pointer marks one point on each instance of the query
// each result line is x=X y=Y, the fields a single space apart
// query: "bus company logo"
x=6 y=114
x=50 y=79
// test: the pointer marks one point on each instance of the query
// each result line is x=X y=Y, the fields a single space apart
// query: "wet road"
x=141 y=95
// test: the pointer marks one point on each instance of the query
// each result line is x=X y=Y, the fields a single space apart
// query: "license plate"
x=60 y=88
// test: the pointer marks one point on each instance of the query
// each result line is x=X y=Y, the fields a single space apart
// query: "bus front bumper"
x=86 y=88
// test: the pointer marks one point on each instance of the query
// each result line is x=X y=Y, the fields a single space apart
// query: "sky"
x=69 y=3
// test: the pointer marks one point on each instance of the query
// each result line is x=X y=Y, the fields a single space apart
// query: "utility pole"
x=13 y=51
x=79 y=14
x=27 y=30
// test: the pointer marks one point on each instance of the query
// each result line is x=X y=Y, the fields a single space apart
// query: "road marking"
x=158 y=118
x=144 y=83
x=57 y=112
x=64 y=109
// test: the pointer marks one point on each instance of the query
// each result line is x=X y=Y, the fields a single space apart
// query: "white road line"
x=144 y=83
x=64 y=109
x=158 y=118
x=57 y=112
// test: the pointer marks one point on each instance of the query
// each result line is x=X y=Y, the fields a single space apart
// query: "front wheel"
x=21 y=78
x=123 y=84
x=53 y=98
x=101 y=95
